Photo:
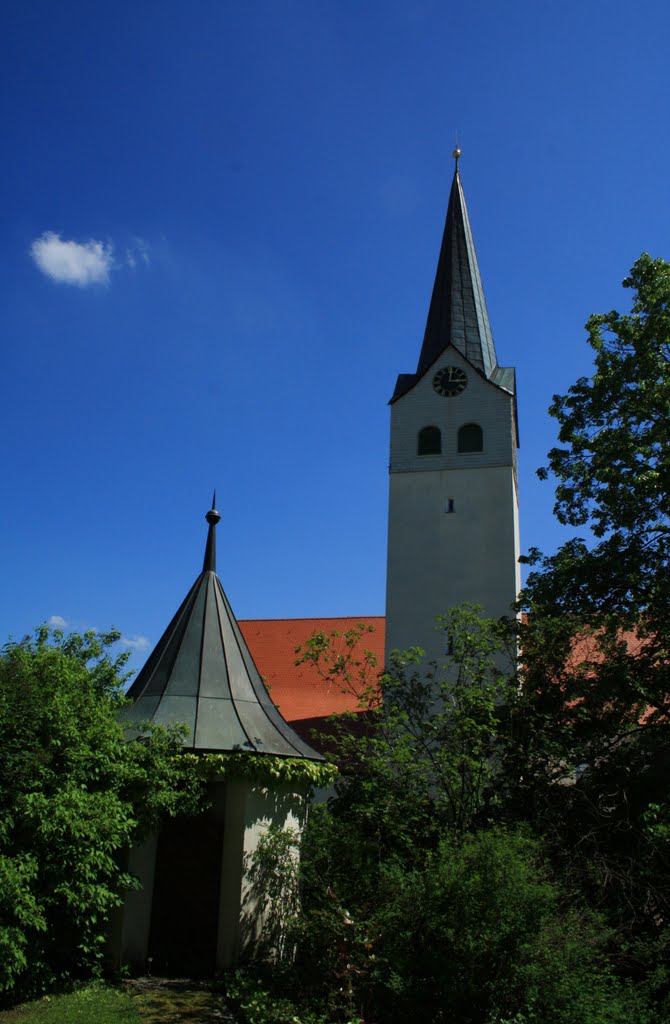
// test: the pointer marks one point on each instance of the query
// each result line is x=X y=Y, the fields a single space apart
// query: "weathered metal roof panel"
x=218 y=726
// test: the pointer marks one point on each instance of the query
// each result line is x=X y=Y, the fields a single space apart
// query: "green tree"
x=612 y=472
x=592 y=746
x=598 y=625
x=481 y=933
x=415 y=902
x=420 y=753
x=73 y=797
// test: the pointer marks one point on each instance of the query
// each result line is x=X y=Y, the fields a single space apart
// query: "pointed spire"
x=212 y=517
x=458 y=314
x=201 y=673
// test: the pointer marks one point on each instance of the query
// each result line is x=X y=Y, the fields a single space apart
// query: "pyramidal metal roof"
x=202 y=673
x=458 y=315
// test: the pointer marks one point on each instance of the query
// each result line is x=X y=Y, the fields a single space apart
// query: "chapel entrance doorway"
x=185 y=904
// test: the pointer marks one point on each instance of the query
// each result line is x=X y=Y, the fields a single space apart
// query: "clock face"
x=450 y=381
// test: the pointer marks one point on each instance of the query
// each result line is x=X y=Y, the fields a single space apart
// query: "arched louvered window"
x=430 y=441
x=471 y=438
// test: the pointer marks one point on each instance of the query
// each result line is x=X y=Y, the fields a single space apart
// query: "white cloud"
x=79 y=263
x=137 y=643
x=58 y=622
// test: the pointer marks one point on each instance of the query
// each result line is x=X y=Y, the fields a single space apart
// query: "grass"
x=136 y=1003
x=94 y=1005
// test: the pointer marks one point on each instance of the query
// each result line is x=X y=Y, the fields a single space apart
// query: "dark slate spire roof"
x=201 y=673
x=458 y=314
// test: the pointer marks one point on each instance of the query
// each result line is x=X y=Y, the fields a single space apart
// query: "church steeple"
x=453 y=506
x=458 y=314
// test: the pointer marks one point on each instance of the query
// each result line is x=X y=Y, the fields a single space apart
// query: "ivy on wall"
x=264 y=769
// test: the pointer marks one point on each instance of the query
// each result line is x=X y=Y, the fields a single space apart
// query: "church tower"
x=453 y=532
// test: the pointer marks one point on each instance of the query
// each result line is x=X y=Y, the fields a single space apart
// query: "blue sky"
x=254 y=195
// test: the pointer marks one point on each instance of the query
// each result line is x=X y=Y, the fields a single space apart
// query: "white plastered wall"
x=246 y=810
x=436 y=558
x=250 y=810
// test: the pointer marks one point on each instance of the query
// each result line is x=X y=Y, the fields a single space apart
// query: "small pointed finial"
x=456 y=155
x=213 y=517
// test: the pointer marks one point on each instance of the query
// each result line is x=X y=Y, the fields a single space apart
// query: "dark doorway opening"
x=185 y=905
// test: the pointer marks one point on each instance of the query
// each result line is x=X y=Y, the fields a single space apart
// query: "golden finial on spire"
x=456 y=155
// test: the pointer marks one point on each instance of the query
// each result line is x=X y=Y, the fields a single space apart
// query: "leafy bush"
x=255 y=1004
x=73 y=797
x=423 y=896
x=477 y=931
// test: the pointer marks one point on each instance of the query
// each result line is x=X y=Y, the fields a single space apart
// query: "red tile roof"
x=303 y=697
x=299 y=691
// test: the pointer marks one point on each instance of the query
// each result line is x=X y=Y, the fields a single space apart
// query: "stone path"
x=178 y=1001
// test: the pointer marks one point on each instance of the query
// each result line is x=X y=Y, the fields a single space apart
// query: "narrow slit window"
x=429 y=441
x=470 y=438
x=449 y=507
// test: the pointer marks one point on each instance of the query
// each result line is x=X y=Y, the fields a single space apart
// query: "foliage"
x=256 y=1004
x=425 y=755
x=588 y=768
x=409 y=909
x=73 y=797
x=272 y=877
x=475 y=930
x=587 y=754
x=427 y=888
x=598 y=626
x=20 y=913
x=341 y=659
x=479 y=934
x=264 y=769
x=590 y=756
x=612 y=474
x=615 y=466
x=421 y=767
